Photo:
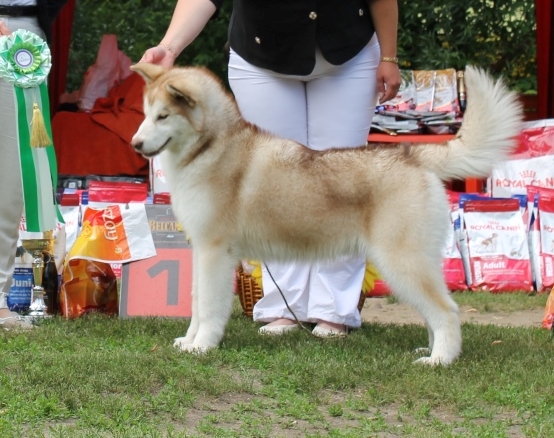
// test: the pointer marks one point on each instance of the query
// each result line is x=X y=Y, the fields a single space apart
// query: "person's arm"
x=4 y=29
x=188 y=20
x=385 y=20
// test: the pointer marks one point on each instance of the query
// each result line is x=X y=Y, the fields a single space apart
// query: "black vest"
x=282 y=35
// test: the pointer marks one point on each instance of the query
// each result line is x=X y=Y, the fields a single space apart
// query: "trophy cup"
x=36 y=246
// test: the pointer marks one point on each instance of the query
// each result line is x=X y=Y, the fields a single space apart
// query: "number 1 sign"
x=160 y=285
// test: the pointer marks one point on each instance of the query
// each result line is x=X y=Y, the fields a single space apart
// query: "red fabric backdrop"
x=59 y=46
x=545 y=59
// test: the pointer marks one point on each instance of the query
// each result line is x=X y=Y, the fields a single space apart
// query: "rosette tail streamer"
x=25 y=62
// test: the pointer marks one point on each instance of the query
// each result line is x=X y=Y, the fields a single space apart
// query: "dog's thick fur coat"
x=242 y=193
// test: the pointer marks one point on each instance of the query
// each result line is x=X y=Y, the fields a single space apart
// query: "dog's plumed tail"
x=488 y=133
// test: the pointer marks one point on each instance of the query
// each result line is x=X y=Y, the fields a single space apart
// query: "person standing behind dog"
x=35 y=16
x=311 y=71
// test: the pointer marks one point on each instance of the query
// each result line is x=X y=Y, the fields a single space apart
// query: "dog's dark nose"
x=137 y=145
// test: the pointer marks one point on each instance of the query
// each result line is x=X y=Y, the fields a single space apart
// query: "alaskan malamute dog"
x=242 y=193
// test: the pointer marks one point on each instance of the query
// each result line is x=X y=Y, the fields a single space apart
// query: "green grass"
x=501 y=302
x=107 y=377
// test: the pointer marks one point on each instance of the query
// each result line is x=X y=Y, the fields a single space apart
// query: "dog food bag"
x=445 y=98
x=88 y=286
x=536 y=139
x=542 y=239
x=531 y=164
x=497 y=245
x=513 y=176
x=116 y=234
x=71 y=216
x=533 y=234
x=425 y=89
x=532 y=203
x=461 y=232
x=453 y=266
x=117 y=192
x=158 y=181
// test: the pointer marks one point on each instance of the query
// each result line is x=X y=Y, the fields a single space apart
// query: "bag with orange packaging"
x=91 y=287
x=548 y=319
x=110 y=236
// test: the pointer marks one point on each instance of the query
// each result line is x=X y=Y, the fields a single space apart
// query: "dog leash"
x=302 y=326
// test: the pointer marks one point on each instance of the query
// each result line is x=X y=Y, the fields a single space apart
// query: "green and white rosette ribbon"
x=25 y=62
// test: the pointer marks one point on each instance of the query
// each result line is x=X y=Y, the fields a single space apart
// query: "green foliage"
x=498 y=35
x=139 y=25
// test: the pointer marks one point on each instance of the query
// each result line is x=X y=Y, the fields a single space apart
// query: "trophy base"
x=38 y=309
x=38 y=314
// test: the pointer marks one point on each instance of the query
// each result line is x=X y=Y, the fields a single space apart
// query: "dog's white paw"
x=184 y=340
x=422 y=350
x=434 y=361
x=428 y=361
x=183 y=345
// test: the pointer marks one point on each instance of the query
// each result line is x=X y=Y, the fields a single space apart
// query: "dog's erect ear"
x=180 y=96
x=149 y=72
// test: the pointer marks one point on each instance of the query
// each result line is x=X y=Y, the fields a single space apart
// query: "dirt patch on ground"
x=380 y=310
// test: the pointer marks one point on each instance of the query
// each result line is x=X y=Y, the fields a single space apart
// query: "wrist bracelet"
x=388 y=59
x=165 y=46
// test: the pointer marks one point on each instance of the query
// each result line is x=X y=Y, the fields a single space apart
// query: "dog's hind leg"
x=418 y=281
x=213 y=296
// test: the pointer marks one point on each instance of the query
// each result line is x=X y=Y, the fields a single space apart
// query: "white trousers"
x=332 y=107
x=11 y=192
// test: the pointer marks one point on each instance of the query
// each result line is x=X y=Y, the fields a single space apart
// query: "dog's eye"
x=162 y=116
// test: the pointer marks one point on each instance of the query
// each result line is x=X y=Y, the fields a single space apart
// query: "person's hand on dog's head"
x=4 y=31
x=159 y=55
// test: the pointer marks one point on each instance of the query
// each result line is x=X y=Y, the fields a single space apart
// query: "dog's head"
x=176 y=104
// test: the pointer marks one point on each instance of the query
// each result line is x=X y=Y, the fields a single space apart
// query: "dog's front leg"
x=214 y=298
x=193 y=327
